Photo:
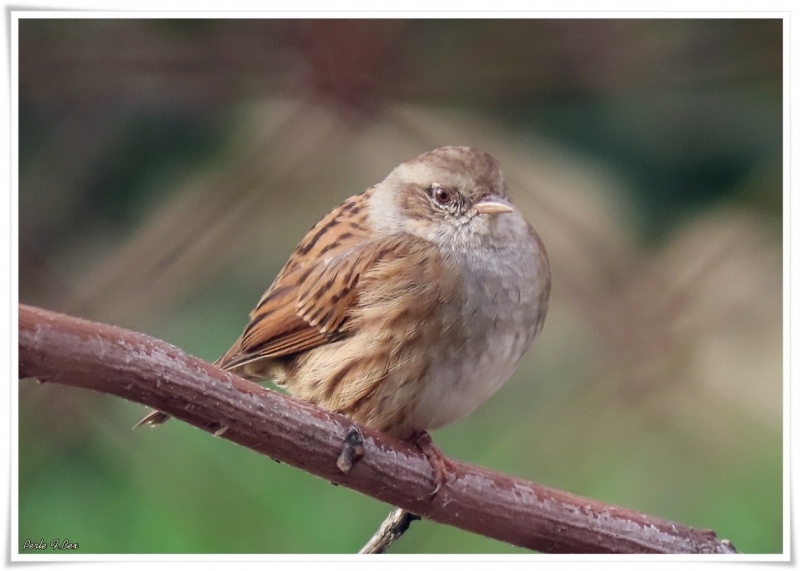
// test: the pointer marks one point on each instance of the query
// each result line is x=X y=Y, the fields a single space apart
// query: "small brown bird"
x=408 y=305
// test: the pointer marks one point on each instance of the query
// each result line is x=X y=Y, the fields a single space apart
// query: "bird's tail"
x=155 y=418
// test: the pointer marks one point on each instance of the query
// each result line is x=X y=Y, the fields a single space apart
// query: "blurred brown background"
x=169 y=167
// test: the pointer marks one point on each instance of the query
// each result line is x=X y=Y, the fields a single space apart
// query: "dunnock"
x=409 y=304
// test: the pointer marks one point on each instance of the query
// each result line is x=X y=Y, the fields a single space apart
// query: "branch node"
x=352 y=450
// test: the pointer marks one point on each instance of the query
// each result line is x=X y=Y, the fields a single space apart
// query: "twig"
x=70 y=351
x=390 y=531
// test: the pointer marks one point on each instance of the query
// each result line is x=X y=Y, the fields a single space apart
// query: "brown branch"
x=392 y=529
x=70 y=351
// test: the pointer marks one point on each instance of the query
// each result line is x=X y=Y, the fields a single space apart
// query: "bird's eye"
x=441 y=195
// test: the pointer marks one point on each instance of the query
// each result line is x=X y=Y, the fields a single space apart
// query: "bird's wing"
x=308 y=303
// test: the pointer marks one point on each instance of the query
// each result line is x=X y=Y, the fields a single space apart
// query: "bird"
x=408 y=305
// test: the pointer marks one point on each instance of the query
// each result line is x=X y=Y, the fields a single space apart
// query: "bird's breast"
x=503 y=306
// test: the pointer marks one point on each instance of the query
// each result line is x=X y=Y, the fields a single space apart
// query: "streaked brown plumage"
x=409 y=304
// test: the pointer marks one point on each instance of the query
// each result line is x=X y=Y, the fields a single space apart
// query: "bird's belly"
x=453 y=392
x=500 y=334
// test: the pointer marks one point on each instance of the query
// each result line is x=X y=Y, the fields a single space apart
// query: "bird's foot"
x=438 y=461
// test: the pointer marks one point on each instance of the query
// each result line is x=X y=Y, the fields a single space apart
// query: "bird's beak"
x=493 y=206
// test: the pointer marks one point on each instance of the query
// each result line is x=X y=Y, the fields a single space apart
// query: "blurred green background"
x=169 y=167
